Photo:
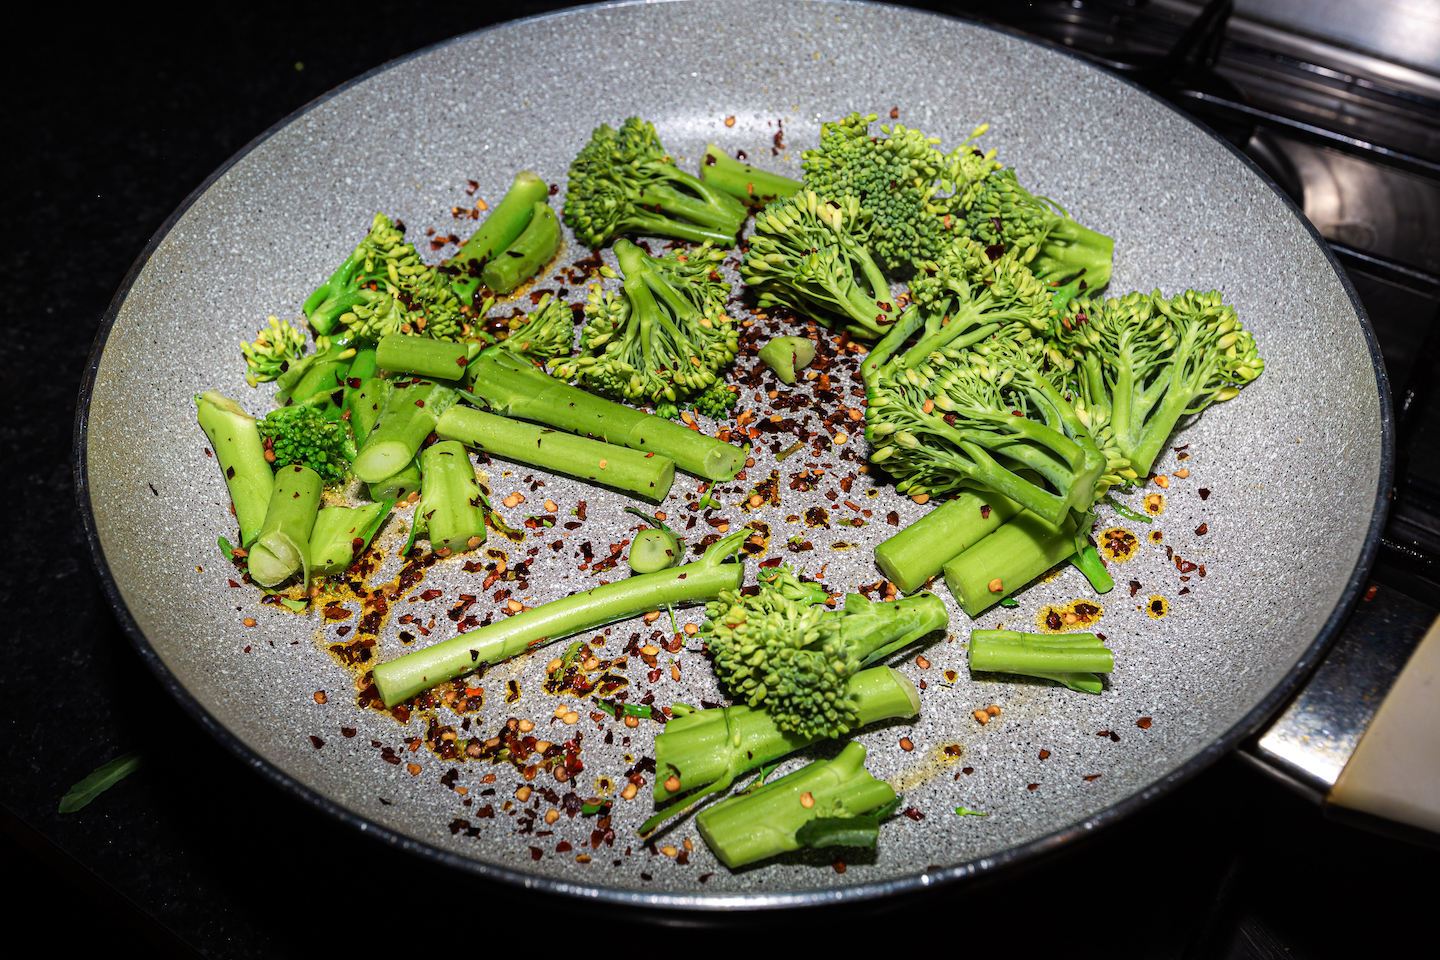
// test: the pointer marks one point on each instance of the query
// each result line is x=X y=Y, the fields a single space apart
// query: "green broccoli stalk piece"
x=235 y=438
x=975 y=419
x=750 y=185
x=406 y=420
x=384 y=287
x=1072 y=659
x=527 y=255
x=340 y=533
x=825 y=803
x=451 y=510
x=781 y=651
x=812 y=254
x=512 y=386
x=918 y=552
x=702 y=752
x=496 y=234
x=275 y=348
x=787 y=356
x=653 y=548
x=1017 y=552
x=1003 y=216
x=625 y=182
x=645 y=475
x=283 y=545
x=666 y=339
x=905 y=182
x=1153 y=360
x=546 y=333
x=301 y=435
x=703 y=579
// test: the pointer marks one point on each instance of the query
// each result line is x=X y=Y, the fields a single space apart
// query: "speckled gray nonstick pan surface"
x=1293 y=467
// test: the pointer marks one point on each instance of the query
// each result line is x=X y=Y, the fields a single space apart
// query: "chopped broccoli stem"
x=399 y=486
x=1050 y=656
x=771 y=819
x=788 y=355
x=498 y=231
x=283 y=546
x=703 y=579
x=515 y=388
x=340 y=533
x=422 y=357
x=702 y=751
x=654 y=548
x=235 y=437
x=530 y=252
x=645 y=475
x=917 y=553
x=752 y=186
x=451 y=510
x=1008 y=559
x=406 y=420
x=365 y=404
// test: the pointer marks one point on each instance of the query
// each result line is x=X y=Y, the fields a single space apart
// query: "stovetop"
x=194 y=853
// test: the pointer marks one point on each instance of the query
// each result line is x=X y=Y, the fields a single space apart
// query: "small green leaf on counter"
x=102 y=779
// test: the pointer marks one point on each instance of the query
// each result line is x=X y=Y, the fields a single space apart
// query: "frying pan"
x=1294 y=470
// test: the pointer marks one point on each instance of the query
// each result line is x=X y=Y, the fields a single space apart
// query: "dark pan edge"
x=1051 y=843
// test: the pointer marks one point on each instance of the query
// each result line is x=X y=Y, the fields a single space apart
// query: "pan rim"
x=1063 y=838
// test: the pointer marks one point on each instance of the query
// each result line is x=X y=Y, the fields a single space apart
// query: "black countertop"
x=119 y=118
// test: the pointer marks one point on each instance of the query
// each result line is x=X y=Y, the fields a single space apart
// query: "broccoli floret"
x=300 y=434
x=1152 y=360
x=1004 y=216
x=624 y=181
x=906 y=183
x=275 y=348
x=811 y=253
x=666 y=339
x=384 y=287
x=957 y=419
x=781 y=650
x=546 y=333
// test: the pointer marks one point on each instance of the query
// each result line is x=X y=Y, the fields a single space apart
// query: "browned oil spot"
x=1157 y=607
x=1156 y=536
x=1154 y=504
x=842 y=545
x=512 y=690
x=1075 y=615
x=758 y=542
x=1118 y=544
x=818 y=517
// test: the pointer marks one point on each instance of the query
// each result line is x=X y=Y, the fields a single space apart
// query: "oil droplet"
x=931 y=765
x=1156 y=536
x=1154 y=504
x=842 y=545
x=1157 y=607
x=1118 y=544
x=512 y=691
x=817 y=517
x=1075 y=615
x=758 y=541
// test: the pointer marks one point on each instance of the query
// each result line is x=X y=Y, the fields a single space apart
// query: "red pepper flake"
x=1204 y=493
x=1092 y=778
x=1370 y=593
x=914 y=814
x=430 y=594
x=1044 y=754
x=536 y=853
x=317 y=741
x=984 y=511
x=1201 y=530
x=1032 y=786
x=1143 y=723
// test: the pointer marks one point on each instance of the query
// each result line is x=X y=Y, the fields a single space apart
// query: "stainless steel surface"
x=1397 y=31
x=1293 y=465
x=1313 y=738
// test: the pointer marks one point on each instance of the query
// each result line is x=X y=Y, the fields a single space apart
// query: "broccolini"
x=624 y=182
x=665 y=339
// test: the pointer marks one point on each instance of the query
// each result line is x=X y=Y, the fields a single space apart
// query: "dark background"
x=113 y=121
